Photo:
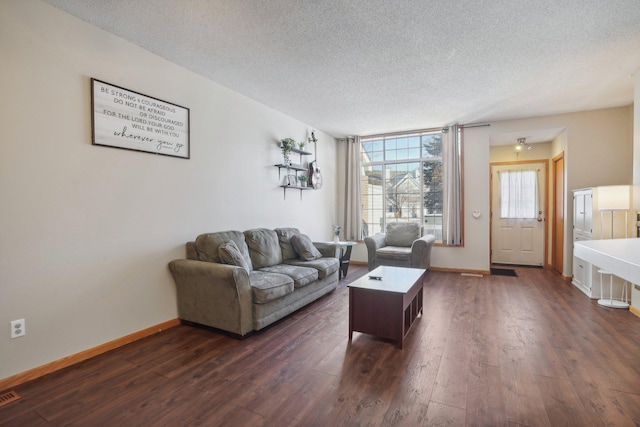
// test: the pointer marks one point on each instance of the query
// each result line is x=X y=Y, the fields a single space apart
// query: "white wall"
x=87 y=231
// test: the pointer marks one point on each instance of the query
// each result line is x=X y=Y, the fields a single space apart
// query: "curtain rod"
x=410 y=132
x=476 y=126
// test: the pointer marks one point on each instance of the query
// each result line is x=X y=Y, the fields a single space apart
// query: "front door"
x=517 y=213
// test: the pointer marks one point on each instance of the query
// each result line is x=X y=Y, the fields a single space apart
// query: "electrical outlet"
x=18 y=328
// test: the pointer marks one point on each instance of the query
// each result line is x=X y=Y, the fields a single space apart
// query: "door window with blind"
x=518 y=194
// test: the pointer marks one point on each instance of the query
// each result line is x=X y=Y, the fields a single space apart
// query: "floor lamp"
x=613 y=198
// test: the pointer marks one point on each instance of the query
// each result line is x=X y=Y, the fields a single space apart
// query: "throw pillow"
x=284 y=236
x=230 y=254
x=304 y=247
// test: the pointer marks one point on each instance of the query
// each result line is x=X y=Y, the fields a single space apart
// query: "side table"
x=345 y=257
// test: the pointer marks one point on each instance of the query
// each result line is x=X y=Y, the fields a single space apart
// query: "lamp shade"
x=614 y=198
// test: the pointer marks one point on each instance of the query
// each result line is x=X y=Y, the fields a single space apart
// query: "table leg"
x=350 y=314
x=402 y=331
x=344 y=261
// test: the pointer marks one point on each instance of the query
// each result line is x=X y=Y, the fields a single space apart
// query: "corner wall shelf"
x=302 y=152
x=296 y=168
x=291 y=166
x=294 y=187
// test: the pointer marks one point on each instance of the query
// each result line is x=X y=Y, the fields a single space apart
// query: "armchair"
x=400 y=246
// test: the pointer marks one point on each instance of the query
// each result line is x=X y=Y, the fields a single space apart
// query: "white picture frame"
x=125 y=119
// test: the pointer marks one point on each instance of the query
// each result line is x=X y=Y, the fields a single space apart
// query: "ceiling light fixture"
x=523 y=142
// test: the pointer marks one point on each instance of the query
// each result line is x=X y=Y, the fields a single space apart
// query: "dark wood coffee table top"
x=394 y=279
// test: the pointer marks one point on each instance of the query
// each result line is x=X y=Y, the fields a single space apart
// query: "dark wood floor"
x=528 y=350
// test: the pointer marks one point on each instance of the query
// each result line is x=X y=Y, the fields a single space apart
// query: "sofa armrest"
x=421 y=251
x=192 y=252
x=374 y=243
x=212 y=294
x=331 y=250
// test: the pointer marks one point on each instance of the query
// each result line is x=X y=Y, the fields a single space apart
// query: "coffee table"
x=387 y=307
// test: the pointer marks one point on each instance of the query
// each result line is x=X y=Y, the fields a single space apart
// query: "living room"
x=89 y=231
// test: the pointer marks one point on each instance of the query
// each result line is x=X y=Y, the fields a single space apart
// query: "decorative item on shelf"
x=336 y=233
x=301 y=144
x=303 y=180
x=315 y=177
x=290 y=179
x=287 y=145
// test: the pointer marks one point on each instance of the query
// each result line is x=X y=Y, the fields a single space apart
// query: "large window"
x=402 y=181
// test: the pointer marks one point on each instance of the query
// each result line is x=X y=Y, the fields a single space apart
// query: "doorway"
x=518 y=210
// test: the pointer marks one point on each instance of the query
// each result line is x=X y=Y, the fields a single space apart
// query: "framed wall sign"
x=125 y=119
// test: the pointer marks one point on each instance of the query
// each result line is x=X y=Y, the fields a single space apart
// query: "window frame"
x=421 y=160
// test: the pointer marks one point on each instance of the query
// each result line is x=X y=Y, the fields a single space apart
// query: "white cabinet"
x=583 y=274
x=591 y=224
x=583 y=213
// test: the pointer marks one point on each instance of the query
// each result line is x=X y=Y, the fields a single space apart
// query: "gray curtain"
x=452 y=187
x=353 y=182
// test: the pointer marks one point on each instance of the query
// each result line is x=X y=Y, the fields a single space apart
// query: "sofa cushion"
x=394 y=252
x=304 y=247
x=325 y=265
x=266 y=286
x=264 y=247
x=230 y=254
x=301 y=276
x=284 y=237
x=402 y=233
x=207 y=244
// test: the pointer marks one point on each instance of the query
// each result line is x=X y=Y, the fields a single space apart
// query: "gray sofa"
x=240 y=282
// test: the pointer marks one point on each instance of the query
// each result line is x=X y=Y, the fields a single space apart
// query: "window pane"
x=403 y=191
x=432 y=181
x=372 y=151
x=518 y=194
x=414 y=153
x=432 y=145
x=391 y=155
x=372 y=203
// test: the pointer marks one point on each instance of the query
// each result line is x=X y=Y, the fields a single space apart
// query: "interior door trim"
x=555 y=232
x=545 y=243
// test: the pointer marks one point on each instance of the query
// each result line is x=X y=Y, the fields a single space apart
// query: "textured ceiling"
x=359 y=67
